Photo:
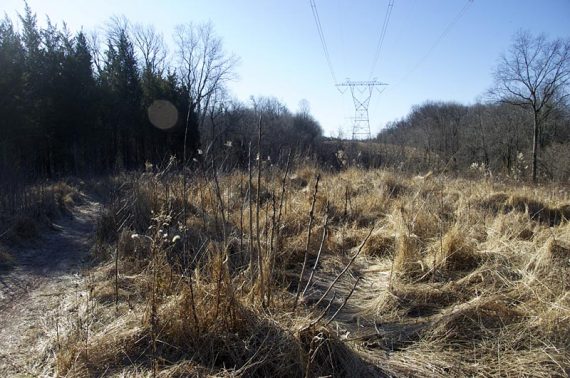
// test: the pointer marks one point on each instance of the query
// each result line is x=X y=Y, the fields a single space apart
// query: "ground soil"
x=40 y=294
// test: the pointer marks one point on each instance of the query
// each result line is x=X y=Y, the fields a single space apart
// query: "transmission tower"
x=361 y=94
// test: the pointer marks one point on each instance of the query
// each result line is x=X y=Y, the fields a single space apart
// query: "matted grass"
x=456 y=278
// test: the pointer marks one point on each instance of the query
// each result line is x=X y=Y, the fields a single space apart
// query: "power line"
x=437 y=41
x=361 y=90
x=361 y=94
x=382 y=36
x=322 y=38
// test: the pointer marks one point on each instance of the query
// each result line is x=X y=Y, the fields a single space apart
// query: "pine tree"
x=11 y=76
x=122 y=86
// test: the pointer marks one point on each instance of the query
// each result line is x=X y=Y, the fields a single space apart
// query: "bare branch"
x=535 y=75
x=202 y=64
x=151 y=49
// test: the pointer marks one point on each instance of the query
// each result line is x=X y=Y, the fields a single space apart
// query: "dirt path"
x=39 y=296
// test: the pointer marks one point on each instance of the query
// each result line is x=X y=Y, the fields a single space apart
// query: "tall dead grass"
x=364 y=273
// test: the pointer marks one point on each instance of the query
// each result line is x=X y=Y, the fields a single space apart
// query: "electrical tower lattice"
x=361 y=92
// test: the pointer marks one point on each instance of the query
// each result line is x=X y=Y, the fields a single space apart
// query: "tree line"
x=492 y=138
x=522 y=130
x=75 y=103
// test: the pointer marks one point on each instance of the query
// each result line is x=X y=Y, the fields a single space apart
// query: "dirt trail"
x=39 y=296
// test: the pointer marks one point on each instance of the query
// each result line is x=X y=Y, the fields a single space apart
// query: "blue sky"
x=281 y=54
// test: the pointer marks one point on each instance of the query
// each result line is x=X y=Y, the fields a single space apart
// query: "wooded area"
x=522 y=130
x=487 y=138
x=73 y=104
x=78 y=103
x=65 y=111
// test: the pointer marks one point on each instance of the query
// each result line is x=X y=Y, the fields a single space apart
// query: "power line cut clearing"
x=361 y=91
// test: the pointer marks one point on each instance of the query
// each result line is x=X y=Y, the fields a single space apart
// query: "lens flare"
x=162 y=114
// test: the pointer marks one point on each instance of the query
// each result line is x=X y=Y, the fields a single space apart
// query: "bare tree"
x=270 y=106
x=304 y=107
x=116 y=26
x=96 y=50
x=151 y=49
x=534 y=75
x=203 y=65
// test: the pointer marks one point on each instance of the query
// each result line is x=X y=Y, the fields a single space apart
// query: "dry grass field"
x=307 y=273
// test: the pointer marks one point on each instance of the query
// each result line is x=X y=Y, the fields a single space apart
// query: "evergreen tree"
x=35 y=150
x=11 y=75
x=122 y=86
x=79 y=98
